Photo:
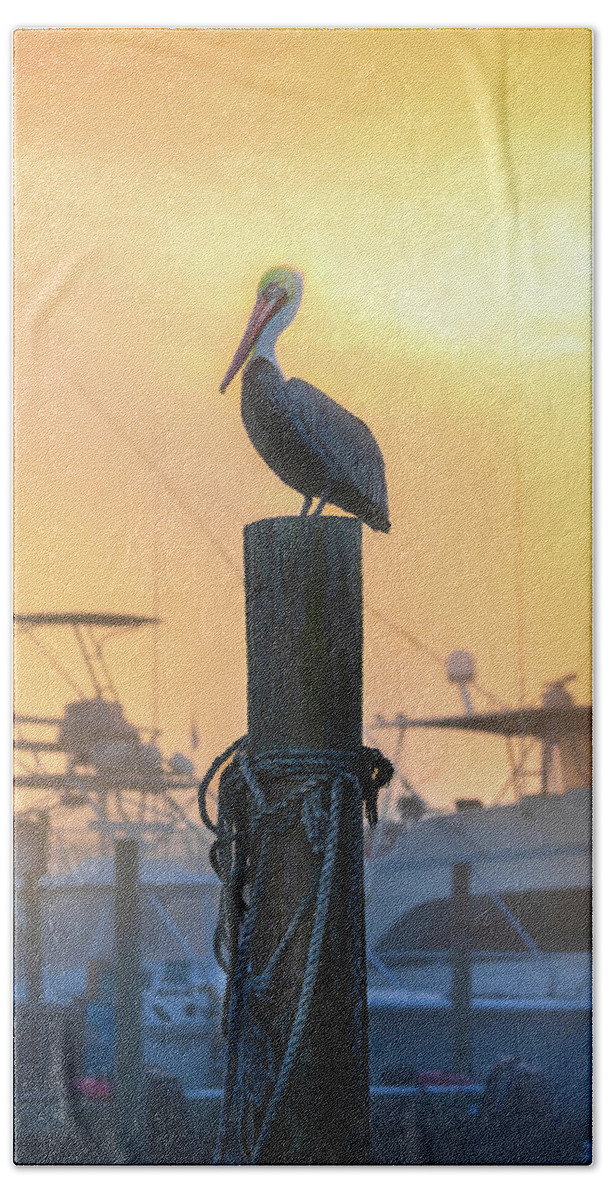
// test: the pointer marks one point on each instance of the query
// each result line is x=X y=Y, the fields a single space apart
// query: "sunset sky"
x=434 y=188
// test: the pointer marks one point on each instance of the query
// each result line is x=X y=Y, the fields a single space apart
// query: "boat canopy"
x=547 y=724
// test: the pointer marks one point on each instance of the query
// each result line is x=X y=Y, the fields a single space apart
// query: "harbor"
x=302 y=597
x=444 y=1013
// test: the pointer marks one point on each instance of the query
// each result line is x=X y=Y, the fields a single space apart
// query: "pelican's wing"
x=349 y=449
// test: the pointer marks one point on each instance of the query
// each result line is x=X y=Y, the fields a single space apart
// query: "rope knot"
x=315 y=816
x=251 y=812
x=375 y=772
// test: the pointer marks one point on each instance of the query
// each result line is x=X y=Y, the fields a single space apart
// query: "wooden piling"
x=304 y=658
x=31 y=852
x=461 y=968
x=129 y=1081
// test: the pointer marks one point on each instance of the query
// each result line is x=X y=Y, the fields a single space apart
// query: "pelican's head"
x=277 y=302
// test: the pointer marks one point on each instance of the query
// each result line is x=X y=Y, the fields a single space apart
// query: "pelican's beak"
x=266 y=305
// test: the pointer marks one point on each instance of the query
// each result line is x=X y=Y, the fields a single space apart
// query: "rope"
x=318 y=783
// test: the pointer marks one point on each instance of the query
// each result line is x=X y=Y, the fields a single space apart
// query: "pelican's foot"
x=306 y=506
x=320 y=506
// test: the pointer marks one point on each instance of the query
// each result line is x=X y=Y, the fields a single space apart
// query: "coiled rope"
x=251 y=812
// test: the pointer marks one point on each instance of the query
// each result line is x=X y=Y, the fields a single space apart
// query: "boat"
x=525 y=939
x=96 y=777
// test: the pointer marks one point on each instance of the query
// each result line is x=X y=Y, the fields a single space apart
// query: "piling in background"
x=461 y=968
x=129 y=1080
x=31 y=848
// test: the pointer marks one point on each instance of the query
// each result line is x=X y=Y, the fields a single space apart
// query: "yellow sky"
x=434 y=187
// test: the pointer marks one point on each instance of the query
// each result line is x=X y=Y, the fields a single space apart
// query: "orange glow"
x=434 y=188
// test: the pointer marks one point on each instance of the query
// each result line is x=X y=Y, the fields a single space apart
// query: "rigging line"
x=512 y=225
x=102 y=662
x=60 y=671
x=119 y=806
x=21 y=762
x=519 y=576
x=428 y=650
x=408 y=637
x=515 y=769
x=487 y=695
x=62 y=853
x=94 y=652
x=503 y=183
x=171 y=925
x=179 y=812
x=503 y=789
x=98 y=643
x=156 y=631
x=425 y=648
x=87 y=658
x=403 y=779
x=166 y=481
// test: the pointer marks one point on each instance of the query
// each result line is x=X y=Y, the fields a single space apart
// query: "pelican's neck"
x=265 y=345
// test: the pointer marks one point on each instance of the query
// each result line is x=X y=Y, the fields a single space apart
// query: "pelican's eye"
x=275 y=294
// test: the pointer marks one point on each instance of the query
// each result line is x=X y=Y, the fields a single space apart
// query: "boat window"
x=557 y=919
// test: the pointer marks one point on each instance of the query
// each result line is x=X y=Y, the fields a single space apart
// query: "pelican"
x=312 y=443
